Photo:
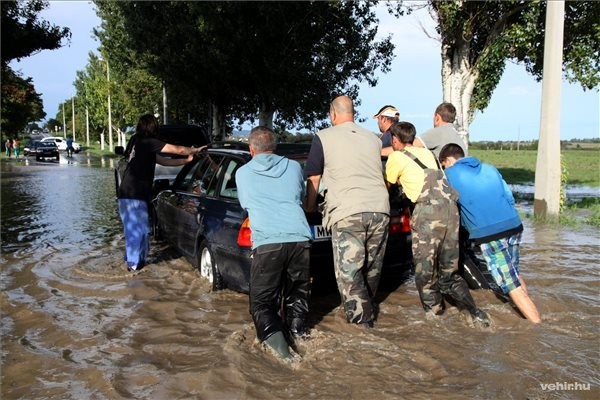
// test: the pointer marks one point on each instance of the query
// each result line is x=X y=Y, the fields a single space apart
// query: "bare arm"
x=172 y=162
x=386 y=151
x=418 y=142
x=312 y=189
x=181 y=150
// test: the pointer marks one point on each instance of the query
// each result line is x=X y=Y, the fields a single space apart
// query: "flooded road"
x=76 y=325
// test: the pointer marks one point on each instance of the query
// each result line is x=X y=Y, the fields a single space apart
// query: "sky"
x=413 y=85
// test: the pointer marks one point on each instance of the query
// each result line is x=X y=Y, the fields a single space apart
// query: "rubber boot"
x=278 y=343
x=481 y=318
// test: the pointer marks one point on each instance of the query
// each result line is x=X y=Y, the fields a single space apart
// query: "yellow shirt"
x=401 y=169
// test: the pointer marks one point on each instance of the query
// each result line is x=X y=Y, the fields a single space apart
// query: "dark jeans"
x=279 y=286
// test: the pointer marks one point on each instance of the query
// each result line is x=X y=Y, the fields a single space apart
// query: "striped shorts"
x=502 y=258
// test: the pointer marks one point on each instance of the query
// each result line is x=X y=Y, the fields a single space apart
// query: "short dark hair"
x=451 y=150
x=147 y=126
x=404 y=131
x=262 y=139
x=447 y=111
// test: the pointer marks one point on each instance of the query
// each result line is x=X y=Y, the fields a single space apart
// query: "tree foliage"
x=243 y=58
x=22 y=35
x=478 y=37
x=20 y=102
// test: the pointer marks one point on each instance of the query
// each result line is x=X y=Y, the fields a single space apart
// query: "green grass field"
x=582 y=166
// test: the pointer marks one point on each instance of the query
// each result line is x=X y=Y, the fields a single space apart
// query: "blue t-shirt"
x=271 y=188
x=486 y=203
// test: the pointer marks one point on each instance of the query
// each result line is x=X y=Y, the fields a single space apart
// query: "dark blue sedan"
x=200 y=215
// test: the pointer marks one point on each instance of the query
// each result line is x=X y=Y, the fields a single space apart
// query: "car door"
x=179 y=209
x=222 y=216
x=225 y=215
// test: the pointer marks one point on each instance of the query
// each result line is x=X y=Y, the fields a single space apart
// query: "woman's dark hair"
x=404 y=131
x=147 y=126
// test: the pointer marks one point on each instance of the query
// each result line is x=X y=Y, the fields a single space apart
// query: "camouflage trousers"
x=358 y=249
x=435 y=253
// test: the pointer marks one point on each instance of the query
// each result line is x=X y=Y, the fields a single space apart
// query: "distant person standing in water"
x=136 y=187
x=17 y=147
x=70 y=148
x=8 y=145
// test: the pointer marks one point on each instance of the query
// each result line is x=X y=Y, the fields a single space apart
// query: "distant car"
x=61 y=143
x=46 y=150
x=29 y=148
x=200 y=215
x=182 y=135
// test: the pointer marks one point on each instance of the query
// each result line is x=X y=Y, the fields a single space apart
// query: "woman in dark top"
x=136 y=188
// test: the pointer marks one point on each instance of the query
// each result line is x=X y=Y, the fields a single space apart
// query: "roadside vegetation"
x=581 y=164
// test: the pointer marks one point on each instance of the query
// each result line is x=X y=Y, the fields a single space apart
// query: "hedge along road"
x=75 y=324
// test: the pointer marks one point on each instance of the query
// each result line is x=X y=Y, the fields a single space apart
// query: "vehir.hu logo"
x=560 y=386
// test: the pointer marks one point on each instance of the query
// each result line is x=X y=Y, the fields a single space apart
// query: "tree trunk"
x=265 y=115
x=458 y=79
x=217 y=122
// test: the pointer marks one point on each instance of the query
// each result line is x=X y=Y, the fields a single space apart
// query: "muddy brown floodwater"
x=75 y=325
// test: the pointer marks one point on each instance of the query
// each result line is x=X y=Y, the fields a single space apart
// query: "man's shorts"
x=502 y=258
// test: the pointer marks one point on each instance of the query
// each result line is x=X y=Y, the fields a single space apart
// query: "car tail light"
x=400 y=223
x=245 y=234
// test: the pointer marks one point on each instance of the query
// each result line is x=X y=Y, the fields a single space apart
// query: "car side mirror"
x=120 y=150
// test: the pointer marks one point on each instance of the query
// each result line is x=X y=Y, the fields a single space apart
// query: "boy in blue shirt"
x=487 y=212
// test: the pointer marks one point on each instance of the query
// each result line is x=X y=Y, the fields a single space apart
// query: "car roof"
x=183 y=135
x=283 y=149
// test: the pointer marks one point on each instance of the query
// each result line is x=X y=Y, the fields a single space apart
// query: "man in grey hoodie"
x=271 y=188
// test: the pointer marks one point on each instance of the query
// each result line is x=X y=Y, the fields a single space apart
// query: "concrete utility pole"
x=73 y=115
x=64 y=122
x=87 y=127
x=546 y=203
x=110 y=137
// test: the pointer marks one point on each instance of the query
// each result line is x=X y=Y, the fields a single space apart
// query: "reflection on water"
x=75 y=325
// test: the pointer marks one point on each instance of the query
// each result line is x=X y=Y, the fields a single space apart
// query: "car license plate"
x=320 y=232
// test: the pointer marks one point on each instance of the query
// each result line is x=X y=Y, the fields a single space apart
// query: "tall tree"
x=20 y=103
x=250 y=59
x=478 y=37
x=22 y=35
x=133 y=92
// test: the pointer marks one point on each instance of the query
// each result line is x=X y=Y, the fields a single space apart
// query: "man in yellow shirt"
x=434 y=223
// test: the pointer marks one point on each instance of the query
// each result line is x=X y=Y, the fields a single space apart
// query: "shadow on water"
x=326 y=298
x=517 y=174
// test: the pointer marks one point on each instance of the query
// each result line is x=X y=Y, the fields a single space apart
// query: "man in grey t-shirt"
x=347 y=158
x=443 y=132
